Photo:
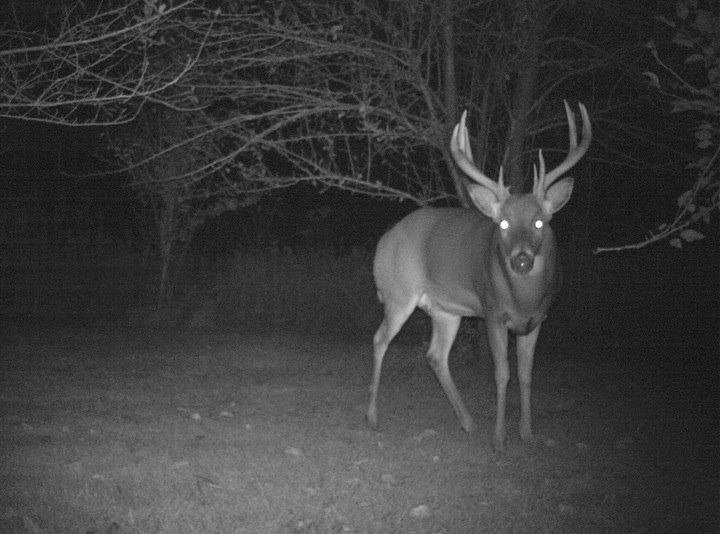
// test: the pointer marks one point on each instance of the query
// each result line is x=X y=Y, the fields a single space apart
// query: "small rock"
x=427 y=433
x=294 y=451
x=420 y=512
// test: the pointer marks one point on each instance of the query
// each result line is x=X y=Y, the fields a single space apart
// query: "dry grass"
x=130 y=431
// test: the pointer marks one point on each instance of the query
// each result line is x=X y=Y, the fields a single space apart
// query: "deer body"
x=499 y=263
x=458 y=269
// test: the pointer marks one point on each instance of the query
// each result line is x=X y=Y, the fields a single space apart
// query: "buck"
x=500 y=264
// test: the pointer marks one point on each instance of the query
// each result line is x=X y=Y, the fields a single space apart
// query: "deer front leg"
x=525 y=355
x=498 y=341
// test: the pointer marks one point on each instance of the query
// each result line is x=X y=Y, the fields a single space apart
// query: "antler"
x=575 y=152
x=539 y=179
x=462 y=154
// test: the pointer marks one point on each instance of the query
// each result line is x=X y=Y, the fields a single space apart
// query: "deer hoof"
x=499 y=443
x=372 y=419
x=468 y=425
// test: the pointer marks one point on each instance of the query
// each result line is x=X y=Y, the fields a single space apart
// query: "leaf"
x=680 y=40
x=681 y=10
x=683 y=105
x=704 y=22
x=653 y=49
x=714 y=74
x=685 y=198
x=665 y=21
x=702 y=133
x=652 y=78
x=675 y=242
x=691 y=235
x=692 y=58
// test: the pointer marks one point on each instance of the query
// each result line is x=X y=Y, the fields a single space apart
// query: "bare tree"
x=99 y=67
x=362 y=95
x=359 y=95
x=163 y=168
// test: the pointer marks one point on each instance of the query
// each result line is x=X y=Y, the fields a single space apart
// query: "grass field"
x=106 y=430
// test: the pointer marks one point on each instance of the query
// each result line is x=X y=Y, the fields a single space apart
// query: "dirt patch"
x=129 y=431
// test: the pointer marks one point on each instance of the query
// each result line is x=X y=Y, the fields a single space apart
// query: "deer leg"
x=444 y=330
x=392 y=322
x=498 y=341
x=525 y=355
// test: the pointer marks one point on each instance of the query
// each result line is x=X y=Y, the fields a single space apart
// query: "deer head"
x=522 y=219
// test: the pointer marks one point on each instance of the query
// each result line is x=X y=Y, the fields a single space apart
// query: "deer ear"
x=558 y=195
x=485 y=200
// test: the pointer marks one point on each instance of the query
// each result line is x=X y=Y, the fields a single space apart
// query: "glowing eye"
x=504 y=224
x=538 y=224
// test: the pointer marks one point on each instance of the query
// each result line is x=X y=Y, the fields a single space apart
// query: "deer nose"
x=521 y=263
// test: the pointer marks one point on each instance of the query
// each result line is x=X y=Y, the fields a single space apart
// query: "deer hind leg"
x=395 y=317
x=444 y=330
x=498 y=341
x=525 y=355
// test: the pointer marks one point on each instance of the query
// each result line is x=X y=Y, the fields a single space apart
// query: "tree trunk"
x=528 y=15
x=165 y=257
x=450 y=96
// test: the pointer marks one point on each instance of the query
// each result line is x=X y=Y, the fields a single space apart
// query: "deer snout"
x=522 y=262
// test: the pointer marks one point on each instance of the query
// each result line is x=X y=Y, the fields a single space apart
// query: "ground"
x=115 y=430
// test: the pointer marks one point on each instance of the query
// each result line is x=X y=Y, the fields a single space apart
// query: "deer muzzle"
x=522 y=262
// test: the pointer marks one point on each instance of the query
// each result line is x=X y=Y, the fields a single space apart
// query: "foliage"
x=689 y=77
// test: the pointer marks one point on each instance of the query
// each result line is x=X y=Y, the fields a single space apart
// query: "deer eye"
x=504 y=224
x=538 y=224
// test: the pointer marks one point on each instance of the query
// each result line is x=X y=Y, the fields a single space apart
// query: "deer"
x=498 y=262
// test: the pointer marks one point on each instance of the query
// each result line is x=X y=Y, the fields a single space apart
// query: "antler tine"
x=462 y=154
x=572 y=126
x=539 y=179
x=575 y=152
x=465 y=139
